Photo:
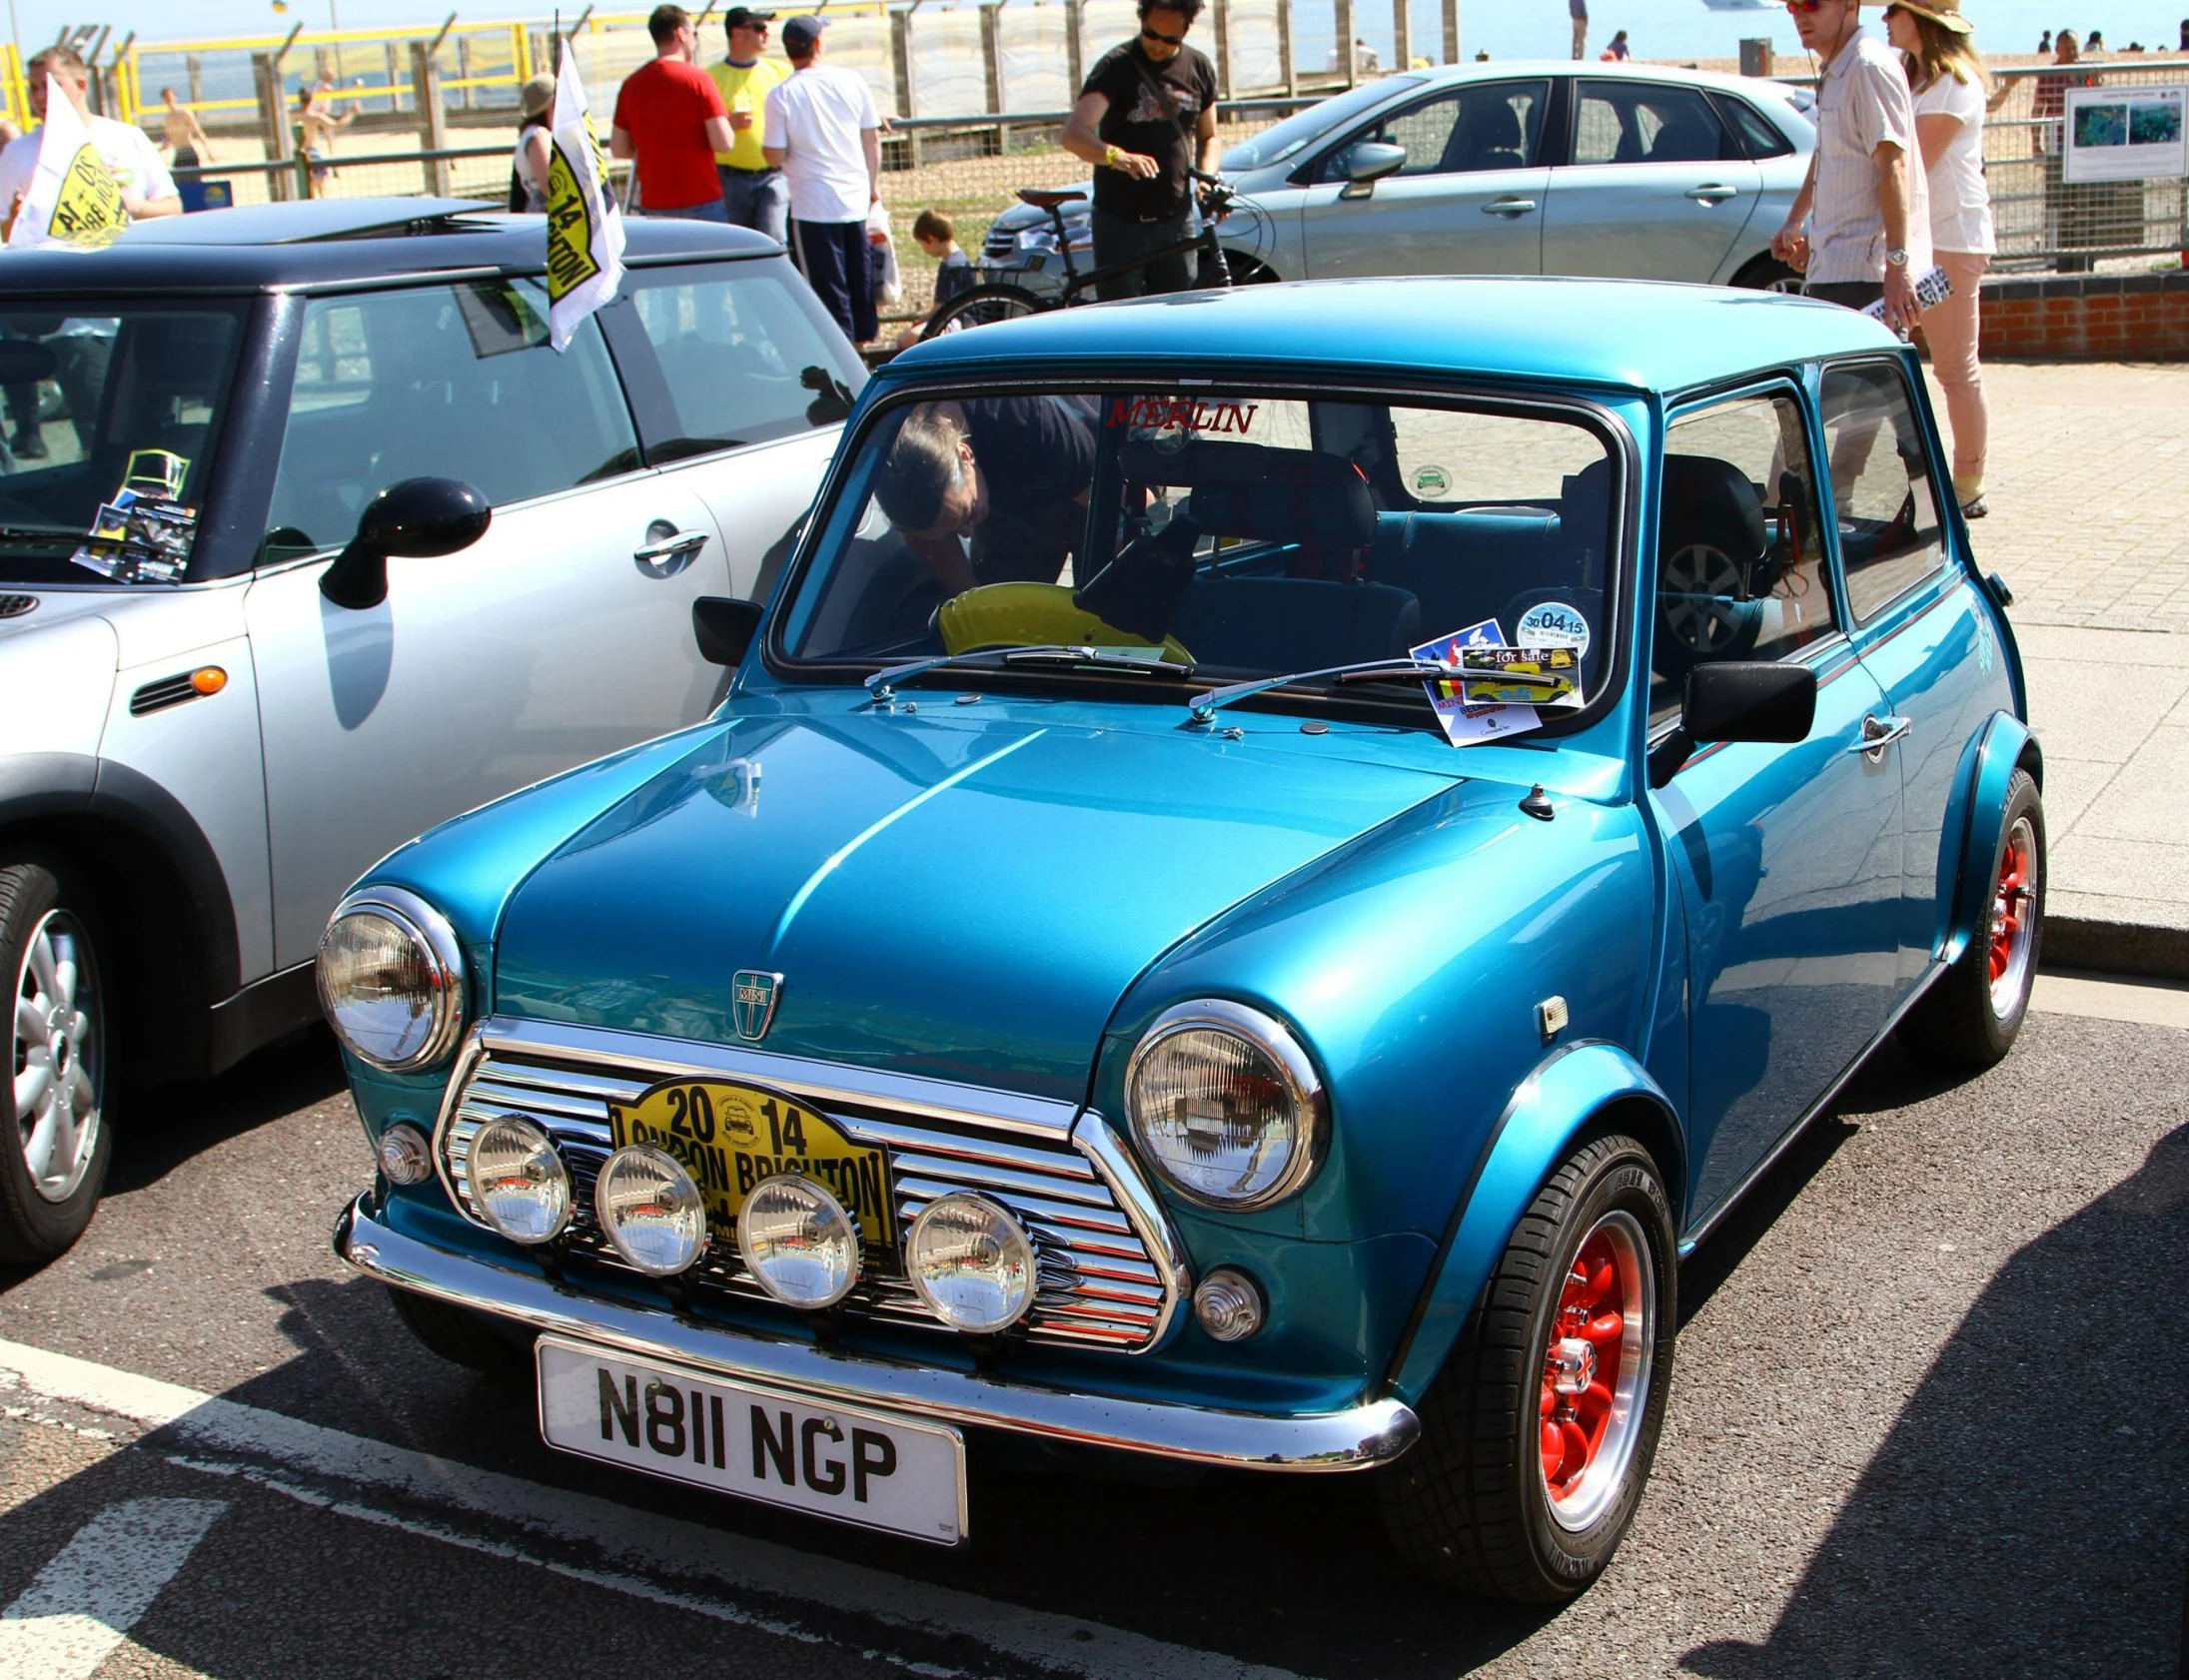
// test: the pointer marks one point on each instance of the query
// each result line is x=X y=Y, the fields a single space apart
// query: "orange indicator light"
x=209 y=680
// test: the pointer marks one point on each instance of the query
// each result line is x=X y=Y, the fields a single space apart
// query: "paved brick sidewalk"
x=2089 y=491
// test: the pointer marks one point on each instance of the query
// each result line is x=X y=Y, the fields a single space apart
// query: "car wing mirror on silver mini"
x=1367 y=162
x=724 y=626
x=416 y=518
x=1737 y=700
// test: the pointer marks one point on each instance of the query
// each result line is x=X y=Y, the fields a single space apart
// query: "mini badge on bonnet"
x=752 y=997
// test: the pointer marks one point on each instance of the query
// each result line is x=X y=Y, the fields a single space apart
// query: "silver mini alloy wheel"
x=1597 y=1370
x=2013 y=928
x=60 y=1055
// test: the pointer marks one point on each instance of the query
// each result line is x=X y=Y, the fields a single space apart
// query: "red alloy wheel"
x=1579 y=1386
x=2013 y=925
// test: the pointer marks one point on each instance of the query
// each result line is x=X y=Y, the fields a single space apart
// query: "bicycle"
x=1003 y=299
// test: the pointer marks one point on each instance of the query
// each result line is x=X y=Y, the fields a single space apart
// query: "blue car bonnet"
x=963 y=893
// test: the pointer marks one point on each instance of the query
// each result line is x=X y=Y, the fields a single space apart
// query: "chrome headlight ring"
x=441 y=959
x=1273 y=1041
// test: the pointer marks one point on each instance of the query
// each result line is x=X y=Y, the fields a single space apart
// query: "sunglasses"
x=1805 y=7
x=1147 y=34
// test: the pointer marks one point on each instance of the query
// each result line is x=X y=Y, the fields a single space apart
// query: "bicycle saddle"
x=1046 y=201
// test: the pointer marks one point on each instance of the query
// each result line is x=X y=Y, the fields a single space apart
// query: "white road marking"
x=661 y=1558
x=2150 y=1003
x=84 y=1602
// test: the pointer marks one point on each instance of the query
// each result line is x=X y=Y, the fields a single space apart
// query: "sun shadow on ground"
x=2043 y=1463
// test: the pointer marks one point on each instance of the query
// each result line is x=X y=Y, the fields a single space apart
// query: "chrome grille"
x=1099 y=1282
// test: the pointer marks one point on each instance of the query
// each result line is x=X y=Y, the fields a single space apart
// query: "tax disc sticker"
x=1429 y=483
x=1553 y=624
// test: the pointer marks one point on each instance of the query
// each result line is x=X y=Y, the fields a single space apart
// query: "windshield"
x=1301 y=128
x=1244 y=532
x=110 y=413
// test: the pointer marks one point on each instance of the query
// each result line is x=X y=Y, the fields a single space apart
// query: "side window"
x=1760 y=136
x=1644 y=123
x=453 y=381
x=1740 y=553
x=1492 y=125
x=1881 y=489
x=742 y=355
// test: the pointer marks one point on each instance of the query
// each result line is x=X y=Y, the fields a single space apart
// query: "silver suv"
x=308 y=543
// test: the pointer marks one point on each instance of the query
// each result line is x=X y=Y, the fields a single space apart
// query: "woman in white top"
x=534 y=147
x=1953 y=93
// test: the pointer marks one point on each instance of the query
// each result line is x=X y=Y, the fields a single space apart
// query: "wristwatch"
x=1897 y=256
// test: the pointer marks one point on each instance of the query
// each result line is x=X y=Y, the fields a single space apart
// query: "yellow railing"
x=508 y=44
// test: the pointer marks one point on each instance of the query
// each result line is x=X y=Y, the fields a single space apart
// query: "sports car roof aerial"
x=1636 y=335
x=328 y=241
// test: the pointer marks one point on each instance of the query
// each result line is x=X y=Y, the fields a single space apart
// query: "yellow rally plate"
x=732 y=1138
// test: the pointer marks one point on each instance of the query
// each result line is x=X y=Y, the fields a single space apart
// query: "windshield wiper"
x=1205 y=706
x=883 y=683
x=52 y=534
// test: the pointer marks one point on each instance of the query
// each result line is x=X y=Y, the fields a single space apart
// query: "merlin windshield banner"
x=73 y=197
x=584 y=226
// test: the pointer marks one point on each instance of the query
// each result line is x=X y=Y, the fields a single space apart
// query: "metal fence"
x=2046 y=223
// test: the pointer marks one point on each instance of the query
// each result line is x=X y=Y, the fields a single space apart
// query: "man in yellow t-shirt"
x=754 y=195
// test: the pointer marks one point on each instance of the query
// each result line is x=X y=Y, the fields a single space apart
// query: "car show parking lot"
x=1917 y=1426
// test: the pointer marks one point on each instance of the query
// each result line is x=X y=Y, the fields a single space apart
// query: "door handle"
x=1715 y=193
x=1509 y=207
x=1879 y=733
x=667 y=550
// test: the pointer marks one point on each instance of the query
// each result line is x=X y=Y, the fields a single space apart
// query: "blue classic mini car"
x=1275 y=860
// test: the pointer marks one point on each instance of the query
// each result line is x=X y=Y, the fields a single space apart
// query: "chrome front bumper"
x=1354 y=1439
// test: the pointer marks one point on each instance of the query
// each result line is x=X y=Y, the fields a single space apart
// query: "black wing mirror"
x=723 y=627
x=1737 y=700
x=416 y=518
x=1367 y=162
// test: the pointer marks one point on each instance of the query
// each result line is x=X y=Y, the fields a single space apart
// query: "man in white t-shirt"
x=823 y=134
x=1869 y=235
x=148 y=188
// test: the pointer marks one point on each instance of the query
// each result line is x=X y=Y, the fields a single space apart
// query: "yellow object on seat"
x=1028 y=614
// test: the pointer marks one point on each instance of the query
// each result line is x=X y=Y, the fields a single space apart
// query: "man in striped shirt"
x=1868 y=218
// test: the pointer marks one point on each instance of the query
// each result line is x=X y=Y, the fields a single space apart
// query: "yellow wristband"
x=1109 y=157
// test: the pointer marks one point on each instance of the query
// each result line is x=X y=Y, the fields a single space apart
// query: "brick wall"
x=2088 y=317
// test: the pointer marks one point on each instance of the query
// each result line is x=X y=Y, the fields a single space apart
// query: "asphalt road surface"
x=1926 y=1421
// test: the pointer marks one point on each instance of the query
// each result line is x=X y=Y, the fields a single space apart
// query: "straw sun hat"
x=1946 y=14
x=537 y=95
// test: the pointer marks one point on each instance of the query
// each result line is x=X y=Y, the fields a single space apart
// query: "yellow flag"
x=584 y=226
x=73 y=197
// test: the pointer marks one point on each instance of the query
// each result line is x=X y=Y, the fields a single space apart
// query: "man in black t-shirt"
x=1010 y=474
x=1146 y=115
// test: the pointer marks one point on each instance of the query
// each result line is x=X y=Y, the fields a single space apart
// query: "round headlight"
x=797 y=1240
x=1226 y=1105
x=971 y=1262
x=518 y=1180
x=650 y=1209
x=391 y=979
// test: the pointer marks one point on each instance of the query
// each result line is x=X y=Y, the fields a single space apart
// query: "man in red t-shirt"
x=670 y=117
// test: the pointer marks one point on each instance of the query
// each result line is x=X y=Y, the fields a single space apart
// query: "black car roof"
x=331 y=241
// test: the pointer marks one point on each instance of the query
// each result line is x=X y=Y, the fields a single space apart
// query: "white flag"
x=73 y=197
x=584 y=226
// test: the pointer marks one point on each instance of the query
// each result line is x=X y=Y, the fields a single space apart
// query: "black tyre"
x=1972 y=1013
x=56 y=1145
x=982 y=306
x=1768 y=274
x=463 y=1337
x=1537 y=1438
x=1704 y=612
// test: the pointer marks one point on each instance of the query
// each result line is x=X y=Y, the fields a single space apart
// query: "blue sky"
x=1506 y=28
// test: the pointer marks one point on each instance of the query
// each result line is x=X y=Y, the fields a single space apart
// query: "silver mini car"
x=241 y=654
